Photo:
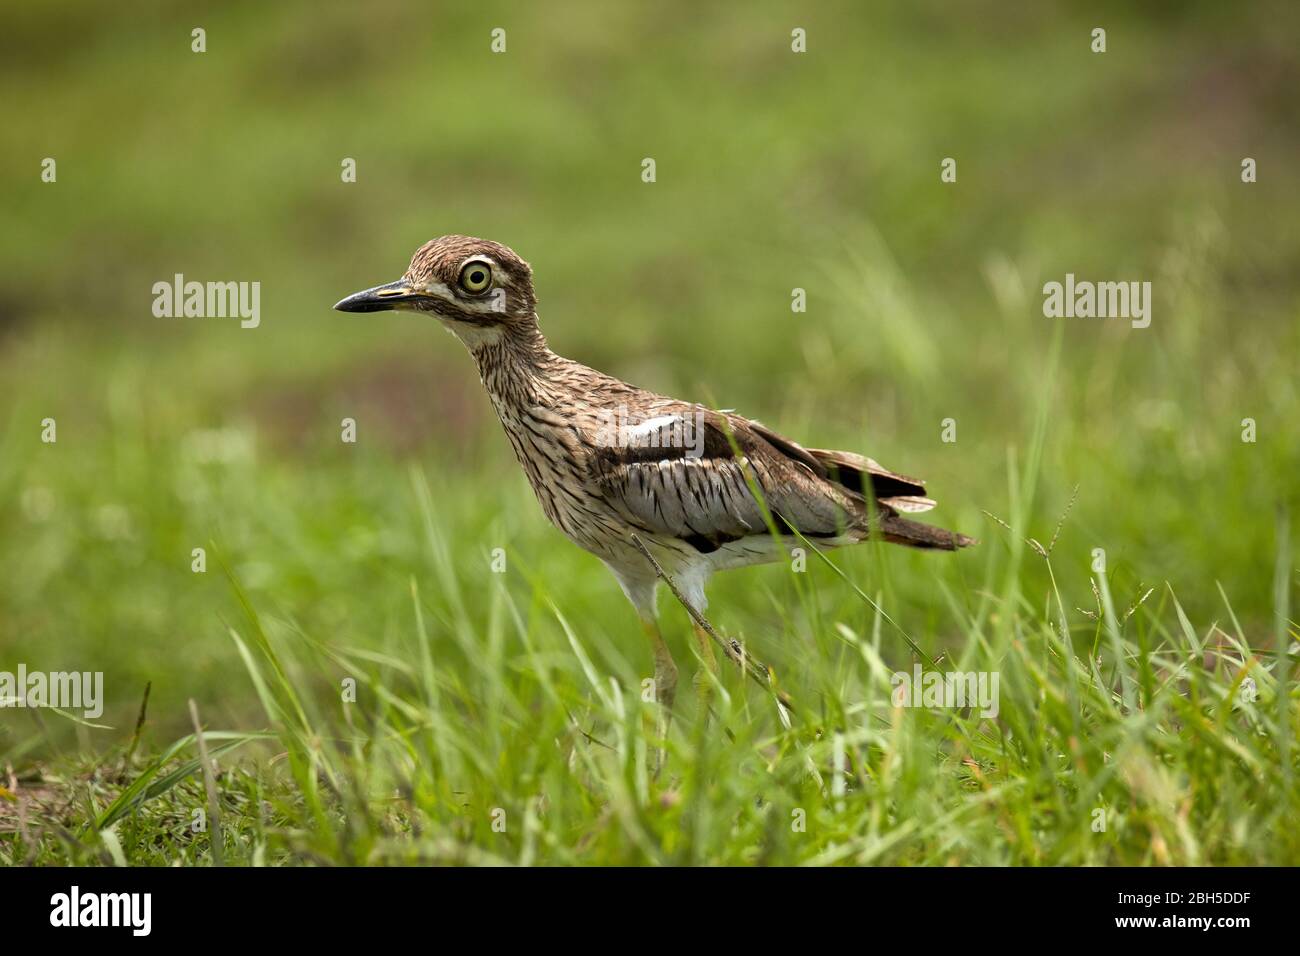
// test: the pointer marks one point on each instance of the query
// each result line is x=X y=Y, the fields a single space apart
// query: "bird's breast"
x=554 y=455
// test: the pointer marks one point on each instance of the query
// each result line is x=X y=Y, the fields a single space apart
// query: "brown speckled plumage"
x=691 y=502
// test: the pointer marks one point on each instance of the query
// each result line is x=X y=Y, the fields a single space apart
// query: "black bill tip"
x=382 y=298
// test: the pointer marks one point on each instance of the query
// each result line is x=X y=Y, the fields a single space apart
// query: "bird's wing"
x=857 y=473
x=676 y=472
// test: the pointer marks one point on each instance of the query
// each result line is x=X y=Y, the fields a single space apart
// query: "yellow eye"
x=476 y=277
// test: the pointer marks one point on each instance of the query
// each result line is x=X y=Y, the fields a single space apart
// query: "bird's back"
x=607 y=459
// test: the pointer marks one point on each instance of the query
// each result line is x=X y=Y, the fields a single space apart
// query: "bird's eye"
x=476 y=277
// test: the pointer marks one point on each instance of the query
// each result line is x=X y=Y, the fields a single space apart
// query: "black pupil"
x=476 y=277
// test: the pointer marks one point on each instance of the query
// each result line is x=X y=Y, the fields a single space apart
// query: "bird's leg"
x=734 y=650
x=705 y=677
x=665 y=687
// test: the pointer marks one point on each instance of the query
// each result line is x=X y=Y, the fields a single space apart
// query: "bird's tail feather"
x=914 y=534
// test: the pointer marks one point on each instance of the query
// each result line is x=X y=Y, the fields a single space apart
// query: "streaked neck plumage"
x=514 y=362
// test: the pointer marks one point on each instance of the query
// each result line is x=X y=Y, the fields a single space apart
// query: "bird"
x=628 y=474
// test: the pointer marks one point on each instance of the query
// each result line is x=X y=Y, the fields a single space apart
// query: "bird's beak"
x=381 y=298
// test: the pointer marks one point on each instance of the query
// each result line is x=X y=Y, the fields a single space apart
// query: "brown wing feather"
x=705 y=498
x=854 y=471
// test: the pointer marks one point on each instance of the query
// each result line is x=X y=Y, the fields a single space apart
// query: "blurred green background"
x=775 y=170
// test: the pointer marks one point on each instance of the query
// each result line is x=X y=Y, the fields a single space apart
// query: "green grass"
x=519 y=692
x=493 y=707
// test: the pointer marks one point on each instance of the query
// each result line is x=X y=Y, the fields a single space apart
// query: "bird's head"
x=472 y=285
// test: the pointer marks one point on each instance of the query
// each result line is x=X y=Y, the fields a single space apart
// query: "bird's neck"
x=516 y=365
